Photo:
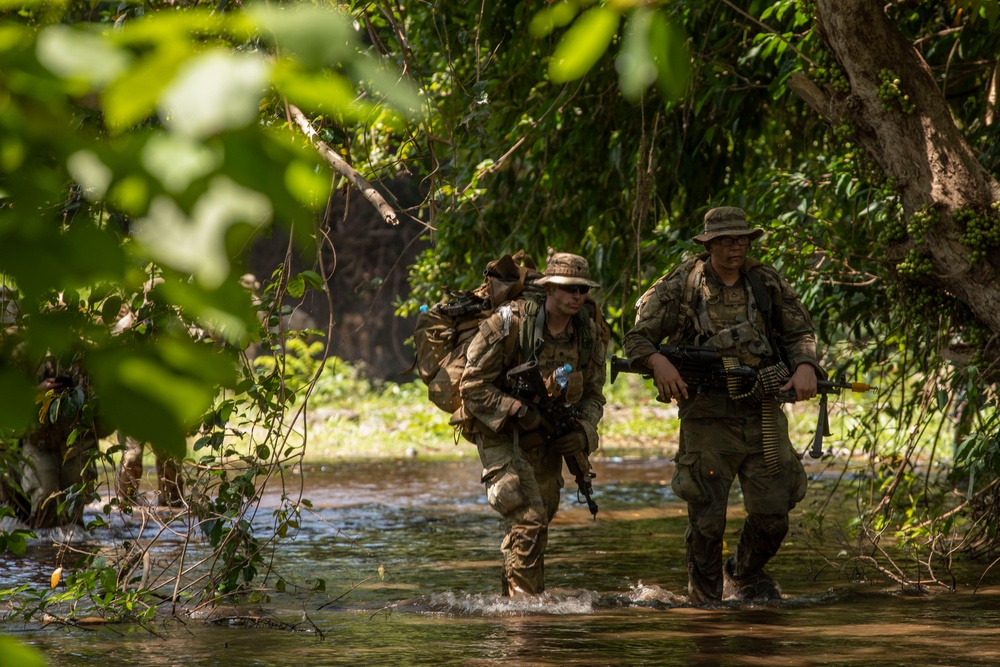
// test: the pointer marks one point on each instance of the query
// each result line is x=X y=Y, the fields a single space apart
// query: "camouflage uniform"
x=52 y=470
x=523 y=482
x=720 y=438
x=169 y=474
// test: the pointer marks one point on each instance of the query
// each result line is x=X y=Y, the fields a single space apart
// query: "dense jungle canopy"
x=145 y=145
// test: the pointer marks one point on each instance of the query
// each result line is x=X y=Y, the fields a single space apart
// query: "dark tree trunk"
x=367 y=269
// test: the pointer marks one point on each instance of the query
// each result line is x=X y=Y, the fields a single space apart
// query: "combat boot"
x=759 y=587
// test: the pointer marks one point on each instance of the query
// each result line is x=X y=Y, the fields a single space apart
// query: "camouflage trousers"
x=169 y=475
x=523 y=487
x=53 y=481
x=713 y=453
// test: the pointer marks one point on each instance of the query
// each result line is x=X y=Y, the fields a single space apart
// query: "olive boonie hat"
x=726 y=221
x=567 y=269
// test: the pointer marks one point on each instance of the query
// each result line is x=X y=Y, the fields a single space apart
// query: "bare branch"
x=340 y=164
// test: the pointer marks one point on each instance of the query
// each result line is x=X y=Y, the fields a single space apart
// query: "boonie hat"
x=726 y=221
x=567 y=269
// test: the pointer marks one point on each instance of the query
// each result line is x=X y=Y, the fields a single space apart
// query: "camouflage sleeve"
x=592 y=404
x=481 y=394
x=798 y=335
x=657 y=314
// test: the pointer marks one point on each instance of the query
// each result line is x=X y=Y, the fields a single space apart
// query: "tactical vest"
x=737 y=319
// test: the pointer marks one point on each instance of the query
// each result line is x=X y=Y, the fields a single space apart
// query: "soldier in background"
x=725 y=300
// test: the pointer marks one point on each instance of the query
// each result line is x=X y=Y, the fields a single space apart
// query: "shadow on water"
x=616 y=591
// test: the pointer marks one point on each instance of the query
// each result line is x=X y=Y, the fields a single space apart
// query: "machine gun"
x=558 y=419
x=703 y=369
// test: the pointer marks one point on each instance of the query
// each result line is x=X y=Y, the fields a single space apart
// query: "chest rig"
x=731 y=319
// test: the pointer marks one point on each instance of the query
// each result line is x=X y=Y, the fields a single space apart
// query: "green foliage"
x=14 y=652
x=143 y=148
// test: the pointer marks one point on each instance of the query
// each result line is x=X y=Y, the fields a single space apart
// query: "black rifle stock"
x=558 y=419
x=702 y=369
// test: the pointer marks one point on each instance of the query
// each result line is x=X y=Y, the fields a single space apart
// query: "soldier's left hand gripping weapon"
x=558 y=419
x=703 y=369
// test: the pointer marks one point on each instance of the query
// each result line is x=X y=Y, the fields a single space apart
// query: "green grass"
x=397 y=420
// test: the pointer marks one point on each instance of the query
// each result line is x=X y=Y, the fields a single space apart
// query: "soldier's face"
x=566 y=300
x=728 y=252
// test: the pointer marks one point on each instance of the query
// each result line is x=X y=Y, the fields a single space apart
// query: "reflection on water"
x=616 y=591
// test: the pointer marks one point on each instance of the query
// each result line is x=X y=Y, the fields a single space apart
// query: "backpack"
x=443 y=332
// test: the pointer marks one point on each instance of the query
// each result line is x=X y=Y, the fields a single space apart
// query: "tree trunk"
x=933 y=166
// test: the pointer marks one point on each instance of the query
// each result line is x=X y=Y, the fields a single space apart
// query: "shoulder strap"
x=529 y=333
x=689 y=296
x=763 y=299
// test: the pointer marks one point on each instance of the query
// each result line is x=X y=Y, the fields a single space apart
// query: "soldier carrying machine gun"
x=705 y=369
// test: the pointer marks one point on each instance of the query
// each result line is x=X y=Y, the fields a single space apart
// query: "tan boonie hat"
x=726 y=221
x=567 y=269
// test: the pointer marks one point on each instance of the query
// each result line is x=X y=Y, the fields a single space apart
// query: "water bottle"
x=562 y=376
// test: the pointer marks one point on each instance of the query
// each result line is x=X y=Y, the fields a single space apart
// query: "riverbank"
x=402 y=423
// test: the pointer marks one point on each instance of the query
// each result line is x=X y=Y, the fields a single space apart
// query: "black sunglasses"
x=575 y=289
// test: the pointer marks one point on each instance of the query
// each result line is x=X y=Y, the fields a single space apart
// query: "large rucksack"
x=443 y=331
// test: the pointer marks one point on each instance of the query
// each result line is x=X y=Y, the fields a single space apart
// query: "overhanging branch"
x=341 y=166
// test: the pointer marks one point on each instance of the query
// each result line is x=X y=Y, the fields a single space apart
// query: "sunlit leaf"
x=93 y=175
x=177 y=161
x=56 y=576
x=383 y=78
x=668 y=47
x=16 y=653
x=146 y=398
x=309 y=185
x=583 y=44
x=296 y=287
x=635 y=65
x=321 y=92
x=316 y=36
x=130 y=194
x=225 y=312
x=196 y=245
x=133 y=97
x=216 y=91
x=556 y=15
x=79 y=54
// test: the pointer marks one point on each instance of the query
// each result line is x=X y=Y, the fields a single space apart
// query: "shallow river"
x=616 y=591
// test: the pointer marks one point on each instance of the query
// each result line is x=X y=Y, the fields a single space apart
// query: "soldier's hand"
x=803 y=381
x=571 y=443
x=574 y=387
x=528 y=418
x=667 y=378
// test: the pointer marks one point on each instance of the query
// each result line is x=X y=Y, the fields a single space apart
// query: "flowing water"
x=616 y=591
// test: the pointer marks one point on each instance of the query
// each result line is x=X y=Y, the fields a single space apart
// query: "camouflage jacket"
x=495 y=349
x=674 y=310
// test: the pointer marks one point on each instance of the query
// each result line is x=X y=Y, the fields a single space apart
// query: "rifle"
x=557 y=419
x=702 y=368
x=462 y=304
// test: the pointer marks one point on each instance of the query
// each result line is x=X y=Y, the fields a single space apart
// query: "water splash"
x=469 y=604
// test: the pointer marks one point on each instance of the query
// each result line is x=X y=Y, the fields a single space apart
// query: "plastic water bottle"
x=562 y=376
